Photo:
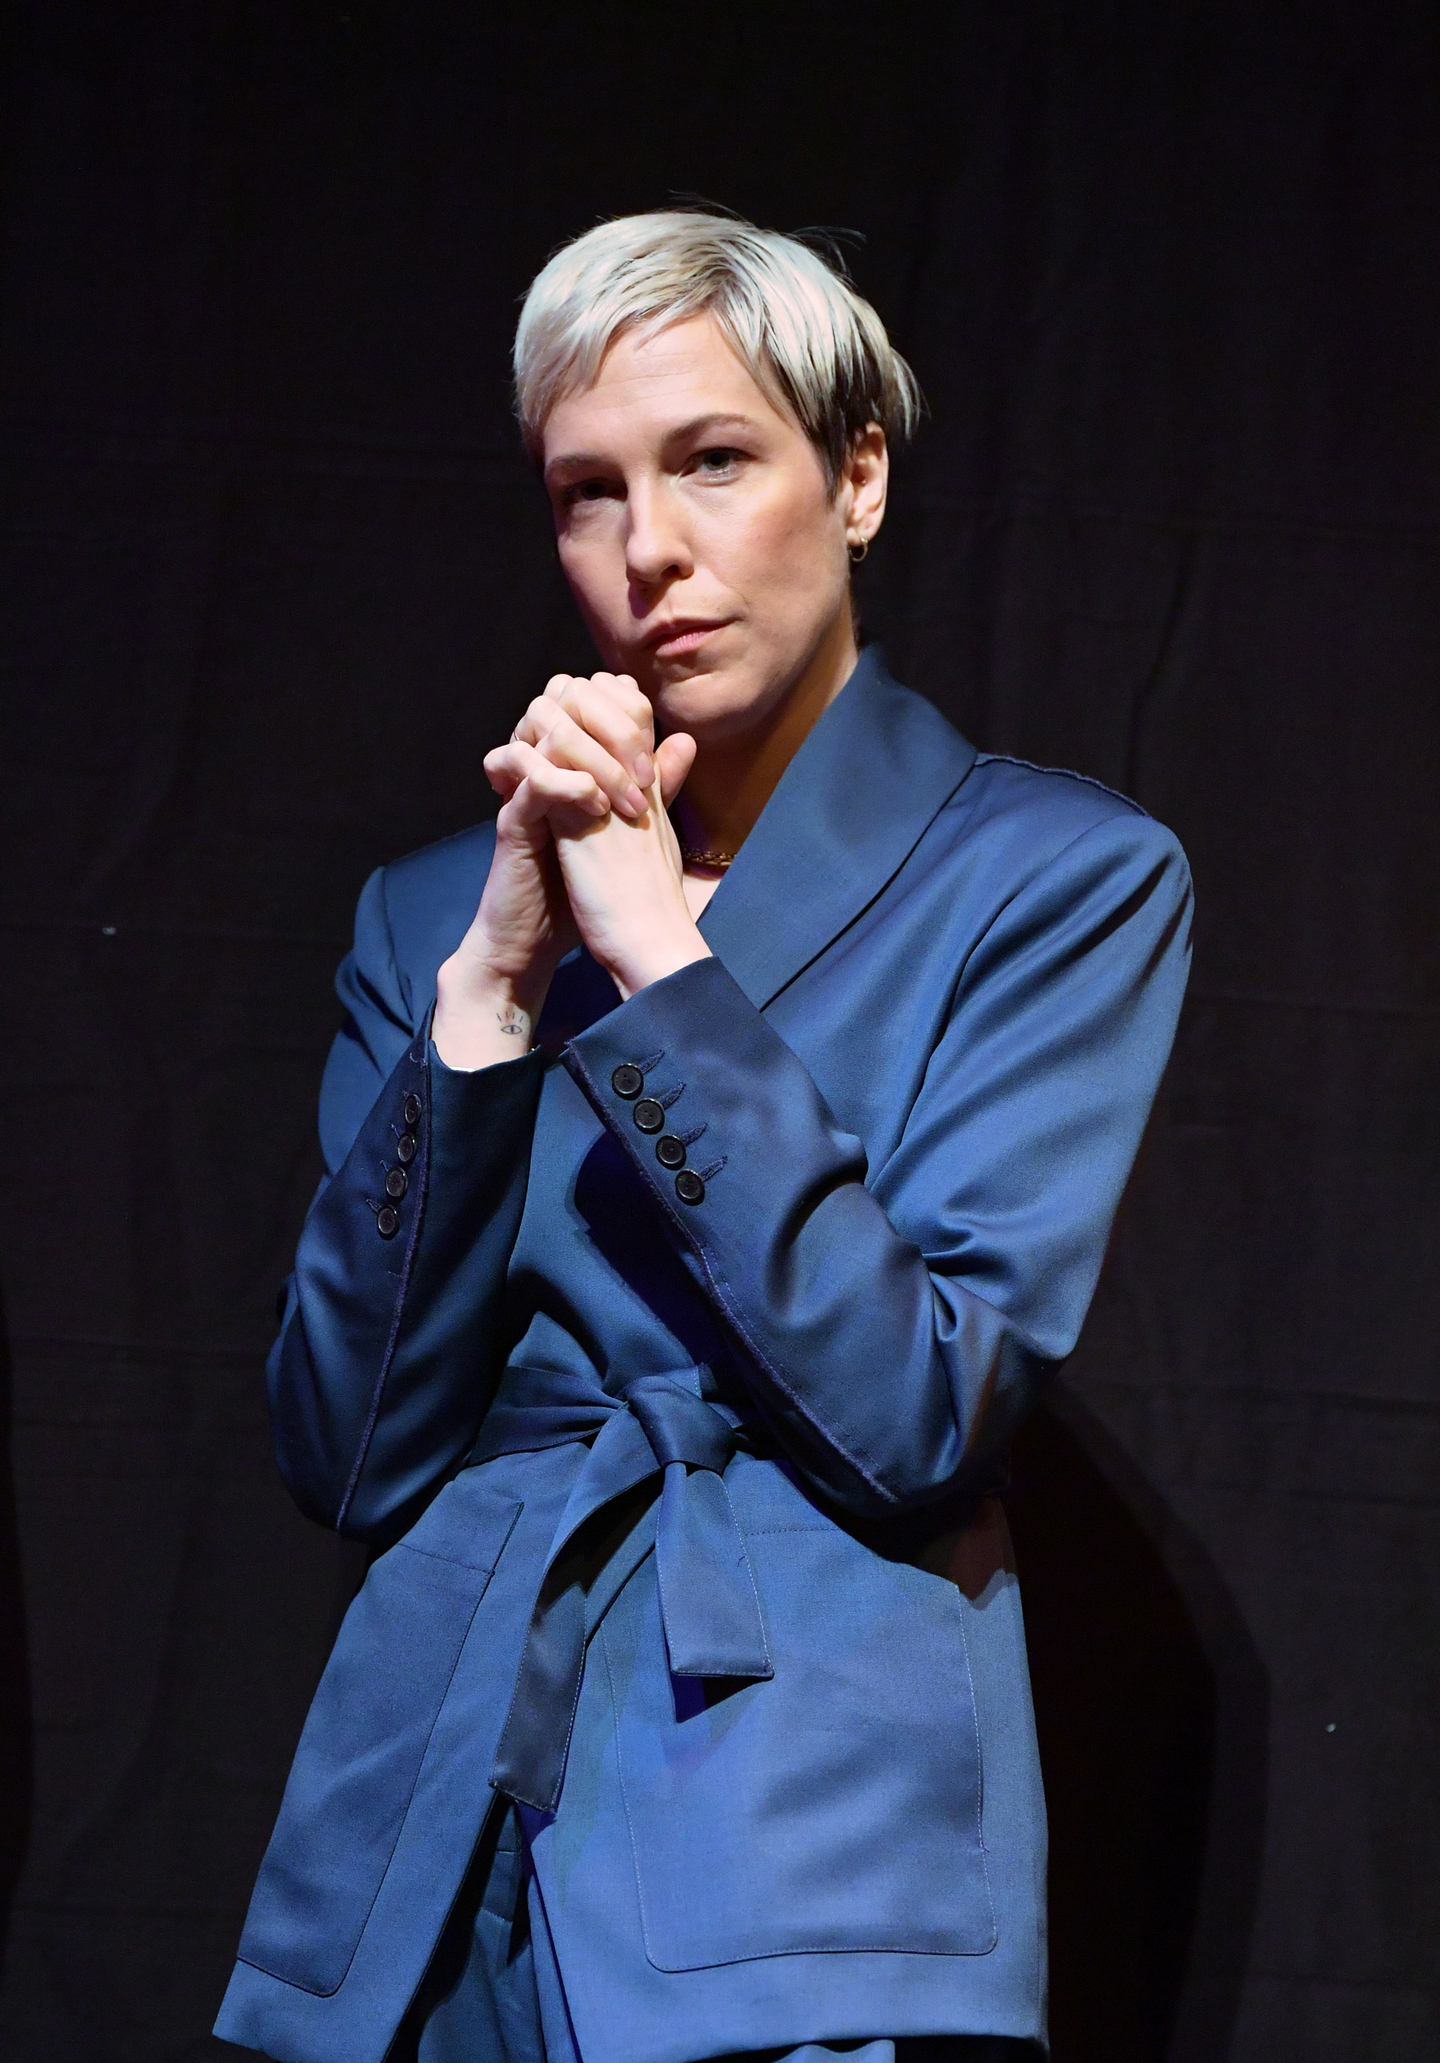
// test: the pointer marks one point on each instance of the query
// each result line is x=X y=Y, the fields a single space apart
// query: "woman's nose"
x=656 y=547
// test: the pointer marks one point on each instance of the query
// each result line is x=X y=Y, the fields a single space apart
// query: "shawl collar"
x=847 y=813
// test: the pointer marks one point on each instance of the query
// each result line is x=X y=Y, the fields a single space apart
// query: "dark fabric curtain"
x=276 y=575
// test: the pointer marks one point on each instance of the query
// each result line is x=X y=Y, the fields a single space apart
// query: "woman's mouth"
x=679 y=640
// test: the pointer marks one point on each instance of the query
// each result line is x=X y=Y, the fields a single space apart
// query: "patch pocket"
x=364 y=1742
x=835 y=1807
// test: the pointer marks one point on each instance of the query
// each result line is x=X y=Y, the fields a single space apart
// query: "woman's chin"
x=709 y=711
x=712 y=703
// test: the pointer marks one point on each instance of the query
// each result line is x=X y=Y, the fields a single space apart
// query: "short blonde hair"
x=793 y=319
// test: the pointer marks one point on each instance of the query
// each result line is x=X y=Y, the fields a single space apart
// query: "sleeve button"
x=387 y=1221
x=670 y=1151
x=396 y=1183
x=649 y=1115
x=688 y=1186
x=405 y=1149
x=413 y=1108
x=627 y=1081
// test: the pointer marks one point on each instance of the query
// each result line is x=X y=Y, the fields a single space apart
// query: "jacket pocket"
x=364 y=1742
x=835 y=1807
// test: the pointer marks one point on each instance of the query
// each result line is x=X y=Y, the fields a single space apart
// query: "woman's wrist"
x=483 y=1017
x=657 y=957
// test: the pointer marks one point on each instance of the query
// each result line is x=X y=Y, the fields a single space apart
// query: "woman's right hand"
x=490 y=992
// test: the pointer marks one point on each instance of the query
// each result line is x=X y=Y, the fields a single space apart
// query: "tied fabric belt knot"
x=709 y=1605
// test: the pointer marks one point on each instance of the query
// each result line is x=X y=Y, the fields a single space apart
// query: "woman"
x=680 y=1279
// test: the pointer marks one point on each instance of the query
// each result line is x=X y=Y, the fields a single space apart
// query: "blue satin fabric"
x=685 y=1540
x=493 y=1995
x=708 y=1601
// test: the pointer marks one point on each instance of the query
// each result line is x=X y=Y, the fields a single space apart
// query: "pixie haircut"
x=791 y=317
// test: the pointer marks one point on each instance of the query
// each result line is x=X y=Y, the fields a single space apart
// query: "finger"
x=674 y=757
x=540 y=714
x=624 y=690
x=591 y=735
x=566 y=743
x=567 y=701
x=550 y=787
x=516 y=823
x=505 y=769
x=508 y=765
x=612 y=709
x=539 y=785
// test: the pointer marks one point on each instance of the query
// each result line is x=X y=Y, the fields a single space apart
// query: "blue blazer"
x=673 y=1364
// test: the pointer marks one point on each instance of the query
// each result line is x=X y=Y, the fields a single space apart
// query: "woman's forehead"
x=656 y=384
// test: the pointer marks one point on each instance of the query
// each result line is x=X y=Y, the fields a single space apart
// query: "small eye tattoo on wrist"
x=514 y=1023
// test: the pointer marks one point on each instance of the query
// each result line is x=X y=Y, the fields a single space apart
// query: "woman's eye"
x=579 y=491
x=720 y=460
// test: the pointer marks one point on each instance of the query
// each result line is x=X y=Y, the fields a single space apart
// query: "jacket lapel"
x=847 y=813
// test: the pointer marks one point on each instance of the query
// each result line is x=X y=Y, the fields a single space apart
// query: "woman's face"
x=695 y=527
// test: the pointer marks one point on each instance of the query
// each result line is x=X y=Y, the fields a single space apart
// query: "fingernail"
x=644 y=770
x=634 y=800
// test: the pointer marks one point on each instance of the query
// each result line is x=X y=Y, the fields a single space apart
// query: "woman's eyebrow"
x=700 y=425
x=576 y=461
x=568 y=463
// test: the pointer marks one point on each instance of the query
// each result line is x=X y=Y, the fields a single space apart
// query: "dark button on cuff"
x=413 y=1108
x=670 y=1151
x=627 y=1081
x=405 y=1149
x=649 y=1115
x=387 y=1221
x=688 y=1186
x=396 y=1182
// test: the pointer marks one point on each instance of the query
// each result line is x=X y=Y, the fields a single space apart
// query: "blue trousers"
x=493 y=1992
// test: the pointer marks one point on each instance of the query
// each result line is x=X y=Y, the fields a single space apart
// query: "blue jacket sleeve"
x=385 y=1361
x=895 y=1323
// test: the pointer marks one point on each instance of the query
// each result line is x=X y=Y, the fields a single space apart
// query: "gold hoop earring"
x=858 y=551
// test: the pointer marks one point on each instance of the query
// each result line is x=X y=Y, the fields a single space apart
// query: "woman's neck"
x=734 y=778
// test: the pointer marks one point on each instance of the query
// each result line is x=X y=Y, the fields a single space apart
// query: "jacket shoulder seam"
x=1064 y=773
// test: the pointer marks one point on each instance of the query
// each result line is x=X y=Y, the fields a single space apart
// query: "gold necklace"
x=708 y=858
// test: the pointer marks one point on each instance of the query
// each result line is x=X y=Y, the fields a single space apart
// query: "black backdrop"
x=276 y=575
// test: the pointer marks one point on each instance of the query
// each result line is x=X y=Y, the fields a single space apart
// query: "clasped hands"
x=584 y=851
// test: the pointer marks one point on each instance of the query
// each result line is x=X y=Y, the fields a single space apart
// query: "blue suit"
x=674 y=1364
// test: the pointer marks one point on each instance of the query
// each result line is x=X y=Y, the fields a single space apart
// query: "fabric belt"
x=709 y=1604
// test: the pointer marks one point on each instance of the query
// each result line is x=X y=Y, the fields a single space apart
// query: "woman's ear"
x=864 y=484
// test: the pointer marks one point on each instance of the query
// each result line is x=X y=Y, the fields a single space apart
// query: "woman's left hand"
x=624 y=875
